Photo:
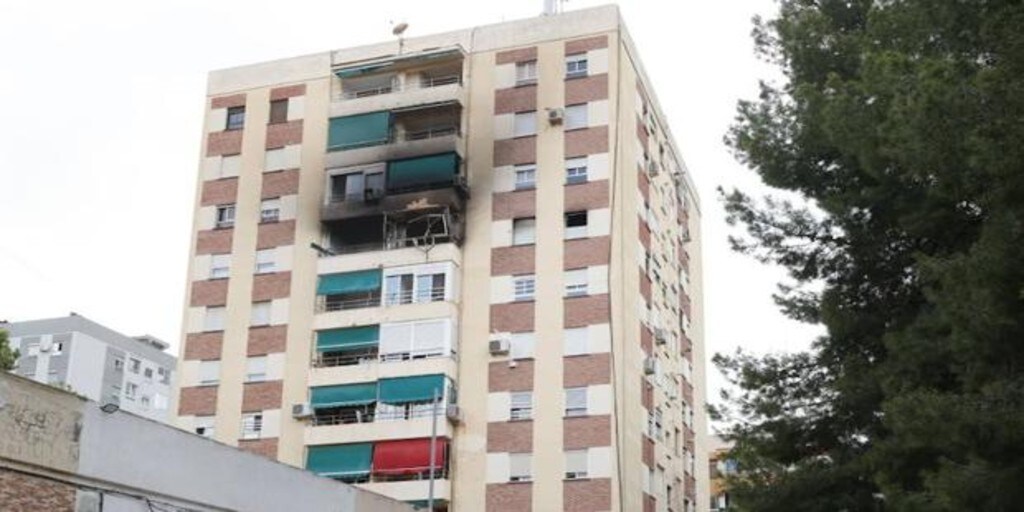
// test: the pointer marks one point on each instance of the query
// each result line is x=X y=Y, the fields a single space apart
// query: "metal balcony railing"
x=426 y=82
x=369 y=357
x=421 y=296
x=351 y=301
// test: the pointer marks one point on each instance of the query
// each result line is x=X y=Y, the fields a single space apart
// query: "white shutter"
x=576 y=117
x=576 y=341
x=429 y=338
x=395 y=340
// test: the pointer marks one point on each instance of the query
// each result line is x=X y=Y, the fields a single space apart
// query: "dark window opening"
x=236 y=118
x=278 y=111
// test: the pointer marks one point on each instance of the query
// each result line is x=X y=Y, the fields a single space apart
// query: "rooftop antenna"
x=397 y=31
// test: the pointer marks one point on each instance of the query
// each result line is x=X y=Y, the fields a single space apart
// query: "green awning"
x=354 y=71
x=340 y=460
x=349 y=282
x=422 y=172
x=411 y=389
x=350 y=338
x=358 y=131
x=343 y=396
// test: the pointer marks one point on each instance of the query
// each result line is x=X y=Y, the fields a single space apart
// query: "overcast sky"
x=99 y=143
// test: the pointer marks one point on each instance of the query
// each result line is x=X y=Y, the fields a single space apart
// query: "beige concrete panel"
x=279 y=309
x=504 y=126
x=599 y=460
x=376 y=431
x=505 y=76
x=216 y=119
x=275 y=367
x=597 y=167
x=599 y=222
x=211 y=167
x=370 y=316
x=597 y=113
x=201 y=267
x=188 y=374
x=194 y=319
x=497 y=468
x=599 y=400
x=206 y=218
x=501 y=233
x=271 y=424
x=599 y=338
x=498 y=406
x=597 y=61
x=289 y=207
x=597 y=280
x=283 y=258
x=501 y=289
x=296 y=108
x=267 y=74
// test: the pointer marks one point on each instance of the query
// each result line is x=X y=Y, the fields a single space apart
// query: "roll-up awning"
x=348 y=338
x=349 y=282
x=358 y=131
x=423 y=172
x=345 y=460
x=343 y=396
x=404 y=390
x=407 y=456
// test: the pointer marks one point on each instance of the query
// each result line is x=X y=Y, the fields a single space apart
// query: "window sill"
x=211 y=331
x=224 y=227
x=524 y=188
x=525 y=83
x=576 y=76
x=225 y=278
x=580 y=296
x=255 y=381
x=207 y=384
x=519 y=482
x=530 y=244
x=571 y=183
x=238 y=129
x=275 y=221
x=585 y=354
x=524 y=136
x=524 y=301
x=570 y=238
x=272 y=171
x=576 y=129
x=580 y=479
x=520 y=420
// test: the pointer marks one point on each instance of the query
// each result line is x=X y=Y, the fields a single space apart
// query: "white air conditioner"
x=556 y=115
x=660 y=336
x=499 y=344
x=454 y=413
x=302 y=411
x=650 y=365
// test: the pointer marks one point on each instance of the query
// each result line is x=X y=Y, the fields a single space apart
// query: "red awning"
x=407 y=456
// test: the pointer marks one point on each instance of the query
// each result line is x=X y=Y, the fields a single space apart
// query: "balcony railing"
x=395 y=87
x=351 y=359
x=432 y=132
x=351 y=301
x=395 y=298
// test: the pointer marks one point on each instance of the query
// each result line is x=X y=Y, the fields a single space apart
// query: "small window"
x=520 y=467
x=145 y=401
x=220 y=266
x=576 y=282
x=525 y=124
x=213 y=320
x=576 y=170
x=256 y=369
x=260 y=314
x=279 y=111
x=576 y=225
x=521 y=345
x=575 y=464
x=577 y=341
x=118 y=365
x=131 y=390
x=148 y=374
x=270 y=210
x=209 y=372
x=526 y=72
x=520 y=405
x=576 y=65
x=134 y=366
x=274 y=160
x=204 y=426
x=576 y=117
x=252 y=425
x=576 y=401
x=266 y=261
x=524 y=231
x=524 y=287
x=58 y=348
x=236 y=118
x=226 y=216
x=164 y=374
x=526 y=176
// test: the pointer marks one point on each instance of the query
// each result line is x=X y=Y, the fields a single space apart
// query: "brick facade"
x=514 y=205
x=224 y=143
x=515 y=99
x=203 y=346
x=587 y=252
x=585 y=45
x=587 y=495
x=197 y=401
x=213 y=292
x=518 y=259
x=275 y=234
x=587 y=141
x=586 y=89
x=586 y=432
x=288 y=91
x=512 y=317
x=280 y=135
x=25 y=492
x=588 y=310
x=521 y=150
x=214 y=241
x=261 y=396
x=517 y=55
x=271 y=286
x=269 y=339
x=647 y=454
x=516 y=496
x=222 y=191
x=586 y=370
x=280 y=183
x=502 y=378
x=510 y=436
x=235 y=100
x=586 y=196
x=265 y=447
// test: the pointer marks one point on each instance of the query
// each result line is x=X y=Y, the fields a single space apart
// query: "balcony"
x=398 y=82
x=395 y=134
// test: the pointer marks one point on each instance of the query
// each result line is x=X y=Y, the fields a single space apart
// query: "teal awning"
x=358 y=131
x=426 y=171
x=349 y=282
x=340 y=460
x=411 y=389
x=354 y=71
x=350 y=338
x=343 y=396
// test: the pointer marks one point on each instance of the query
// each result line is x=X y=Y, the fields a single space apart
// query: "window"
x=521 y=345
x=131 y=390
x=525 y=124
x=526 y=72
x=526 y=176
x=148 y=374
x=236 y=118
x=31 y=346
x=361 y=186
x=160 y=402
x=576 y=65
x=414 y=288
x=252 y=425
x=576 y=225
x=265 y=263
x=256 y=369
x=209 y=372
x=134 y=366
x=145 y=401
x=575 y=464
x=214 y=318
x=576 y=170
x=524 y=231
x=279 y=111
x=220 y=266
x=576 y=282
x=165 y=375
x=274 y=160
x=204 y=426
x=270 y=210
x=576 y=117
x=226 y=216
x=260 y=314
x=118 y=365
x=576 y=401
x=520 y=405
x=228 y=167
x=519 y=469
x=576 y=341
x=58 y=348
x=523 y=287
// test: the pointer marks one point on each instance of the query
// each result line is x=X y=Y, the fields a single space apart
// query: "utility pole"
x=433 y=452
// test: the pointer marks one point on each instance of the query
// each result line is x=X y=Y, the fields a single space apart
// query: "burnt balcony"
x=420 y=227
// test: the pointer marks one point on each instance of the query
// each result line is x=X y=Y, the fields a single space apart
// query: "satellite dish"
x=400 y=28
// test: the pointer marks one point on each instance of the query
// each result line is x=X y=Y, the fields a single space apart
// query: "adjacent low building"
x=60 y=452
x=97 y=362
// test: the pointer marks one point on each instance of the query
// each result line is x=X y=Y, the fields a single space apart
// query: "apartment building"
x=463 y=266
x=97 y=362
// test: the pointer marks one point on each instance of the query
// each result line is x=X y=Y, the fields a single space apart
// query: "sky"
x=99 y=148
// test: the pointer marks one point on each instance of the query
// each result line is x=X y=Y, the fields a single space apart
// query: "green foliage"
x=8 y=356
x=900 y=125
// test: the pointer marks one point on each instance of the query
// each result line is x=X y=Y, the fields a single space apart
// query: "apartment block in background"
x=495 y=218
x=97 y=362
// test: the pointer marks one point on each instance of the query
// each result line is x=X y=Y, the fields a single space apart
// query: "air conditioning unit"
x=556 y=115
x=660 y=336
x=650 y=365
x=302 y=411
x=499 y=344
x=454 y=413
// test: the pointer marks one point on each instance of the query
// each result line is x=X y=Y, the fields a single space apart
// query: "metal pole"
x=433 y=453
